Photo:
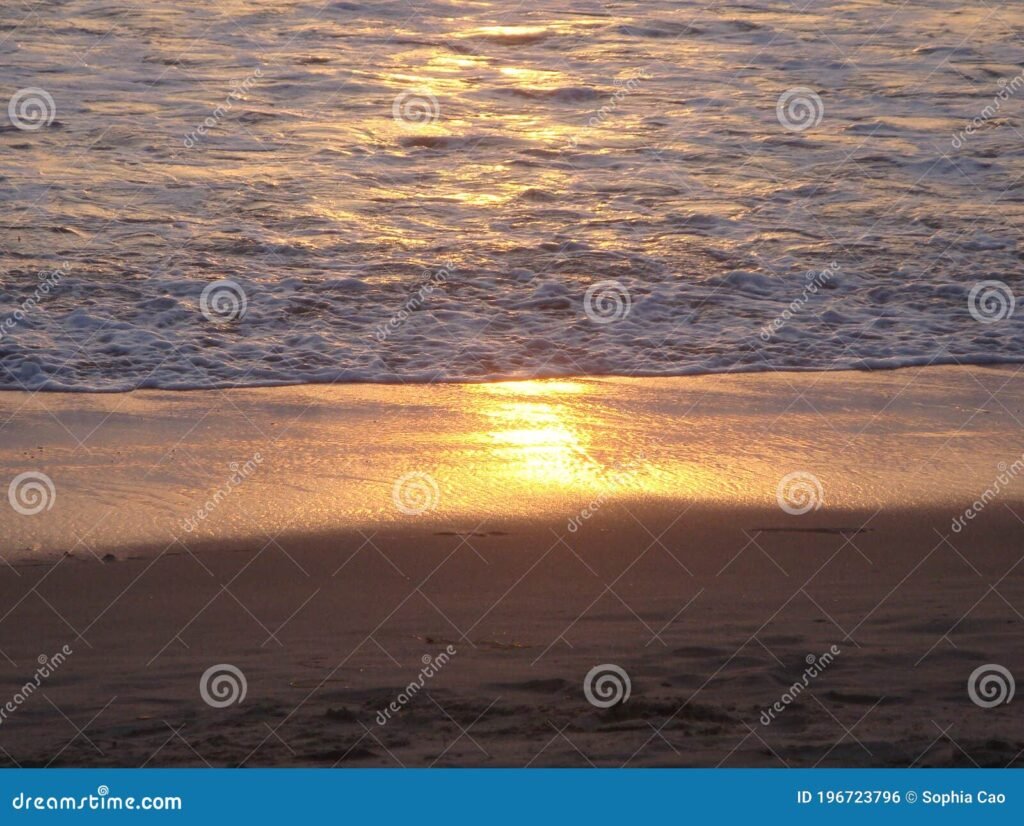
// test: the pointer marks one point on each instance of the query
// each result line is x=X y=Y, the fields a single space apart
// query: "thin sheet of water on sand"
x=147 y=468
x=711 y=601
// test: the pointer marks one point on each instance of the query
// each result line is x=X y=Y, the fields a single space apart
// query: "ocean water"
x=237 y=193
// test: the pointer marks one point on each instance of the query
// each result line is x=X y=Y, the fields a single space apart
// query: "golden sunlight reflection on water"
x=555 y=439
x=484 y=453
x=536 y=438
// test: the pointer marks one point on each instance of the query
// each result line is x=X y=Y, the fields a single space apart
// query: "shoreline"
x=150 y=467
x=988 y=362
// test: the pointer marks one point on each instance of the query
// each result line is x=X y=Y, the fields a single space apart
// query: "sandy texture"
x=710 y=606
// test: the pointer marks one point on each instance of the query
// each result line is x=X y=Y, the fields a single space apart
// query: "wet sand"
x=685 y=573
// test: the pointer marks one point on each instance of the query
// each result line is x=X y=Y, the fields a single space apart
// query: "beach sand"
x=565 y=525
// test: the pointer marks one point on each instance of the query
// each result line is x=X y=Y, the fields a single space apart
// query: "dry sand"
x=687 y=575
